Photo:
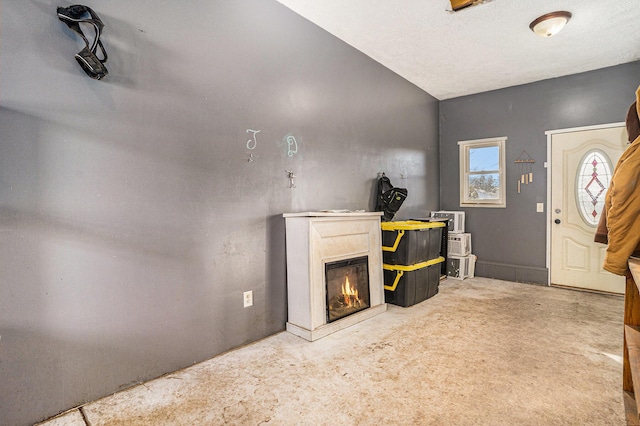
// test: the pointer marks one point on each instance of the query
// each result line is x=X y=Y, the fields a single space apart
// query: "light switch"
x=540 y=207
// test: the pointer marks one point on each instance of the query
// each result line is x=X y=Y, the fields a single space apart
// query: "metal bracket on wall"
x=291 y=176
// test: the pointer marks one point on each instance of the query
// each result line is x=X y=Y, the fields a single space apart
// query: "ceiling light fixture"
x=460 y=4
x=550 y=23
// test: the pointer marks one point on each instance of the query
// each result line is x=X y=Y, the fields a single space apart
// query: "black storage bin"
x=410 y=242
x=408 y=285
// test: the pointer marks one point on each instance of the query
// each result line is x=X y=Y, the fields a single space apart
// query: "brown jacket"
x=622 y=207
x=601 y=230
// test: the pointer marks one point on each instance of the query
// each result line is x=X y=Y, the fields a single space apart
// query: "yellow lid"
x=407 y=268
x=410 y=225
x=401 y=269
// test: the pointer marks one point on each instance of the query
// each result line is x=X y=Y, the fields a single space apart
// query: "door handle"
x=557 y=221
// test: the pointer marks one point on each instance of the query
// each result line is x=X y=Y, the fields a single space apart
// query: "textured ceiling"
x=484 y=47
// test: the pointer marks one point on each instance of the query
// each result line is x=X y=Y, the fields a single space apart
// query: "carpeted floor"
x=481 y=352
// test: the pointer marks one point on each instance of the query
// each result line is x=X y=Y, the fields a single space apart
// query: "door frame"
x=547 y=165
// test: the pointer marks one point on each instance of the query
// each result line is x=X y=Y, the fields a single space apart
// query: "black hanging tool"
x=88 y=59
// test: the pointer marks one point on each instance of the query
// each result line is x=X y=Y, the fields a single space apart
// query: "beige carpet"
x=481 y=352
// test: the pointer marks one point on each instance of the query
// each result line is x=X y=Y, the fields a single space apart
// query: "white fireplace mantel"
x=314 y=239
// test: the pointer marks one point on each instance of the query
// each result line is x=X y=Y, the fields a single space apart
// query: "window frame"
x=464 y=150
x=576 y=190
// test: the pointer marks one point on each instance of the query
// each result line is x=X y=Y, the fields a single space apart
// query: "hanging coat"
x=622 y=202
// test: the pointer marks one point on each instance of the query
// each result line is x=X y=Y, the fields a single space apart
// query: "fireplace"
x=334 y=271
x=347 y=287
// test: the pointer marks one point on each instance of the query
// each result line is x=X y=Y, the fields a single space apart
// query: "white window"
x=482 y=173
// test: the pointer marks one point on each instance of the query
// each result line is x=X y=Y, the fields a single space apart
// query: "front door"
x=582 y=163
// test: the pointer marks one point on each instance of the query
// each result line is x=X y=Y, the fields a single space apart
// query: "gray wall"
x=511 y=243
x=131 y=220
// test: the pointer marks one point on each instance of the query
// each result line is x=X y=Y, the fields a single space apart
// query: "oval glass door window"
x=592 y=182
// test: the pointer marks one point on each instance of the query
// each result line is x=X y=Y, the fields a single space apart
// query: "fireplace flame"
x=350 y=295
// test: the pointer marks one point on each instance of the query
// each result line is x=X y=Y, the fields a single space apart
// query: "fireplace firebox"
x=347 y=287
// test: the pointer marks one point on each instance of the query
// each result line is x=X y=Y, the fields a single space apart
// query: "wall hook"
x=291 y=176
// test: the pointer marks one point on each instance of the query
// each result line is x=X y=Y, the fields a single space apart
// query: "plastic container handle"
x=395 y=282
x=396 y=244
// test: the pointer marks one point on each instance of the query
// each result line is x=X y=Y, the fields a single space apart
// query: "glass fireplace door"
x=347 y=287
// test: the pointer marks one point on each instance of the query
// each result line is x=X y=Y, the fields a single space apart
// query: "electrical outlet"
x=540 y=207
x=248 y=298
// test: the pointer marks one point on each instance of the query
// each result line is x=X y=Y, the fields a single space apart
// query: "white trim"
x=583 y=128
x=463 y=160
x=548 y=222
x=550 y=134
x=482 y=140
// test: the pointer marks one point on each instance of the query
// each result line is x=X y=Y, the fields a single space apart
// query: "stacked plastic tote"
x=460 y=262
x=411 y=260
